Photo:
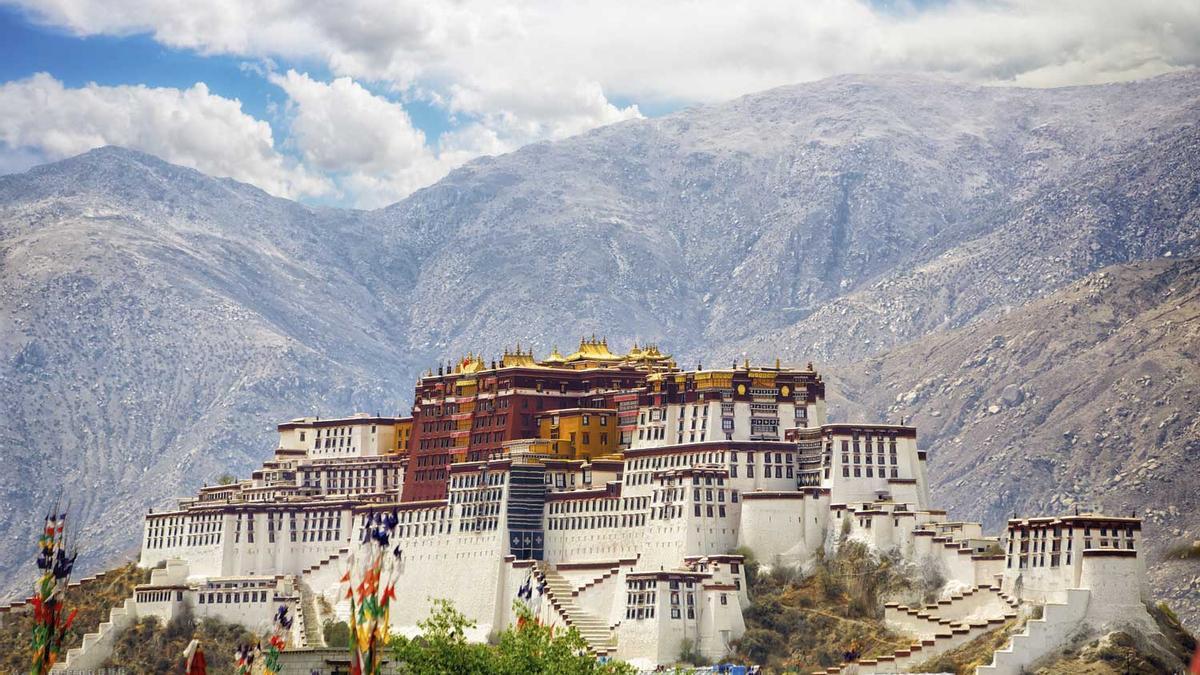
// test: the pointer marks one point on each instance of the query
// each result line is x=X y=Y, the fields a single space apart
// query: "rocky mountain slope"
x=827 y=220
x=155 y=323
x=1087 y=399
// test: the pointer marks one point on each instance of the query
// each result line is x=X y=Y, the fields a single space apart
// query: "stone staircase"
x=938 y=628
x=561 y=594
x=597 y=581
x=323 y=575
x=1041 y=635
x=973 y=606
x=327 y=560
x=311 y=633
x=97 y=646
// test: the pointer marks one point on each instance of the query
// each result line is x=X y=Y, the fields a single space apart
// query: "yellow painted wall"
x=588 y=433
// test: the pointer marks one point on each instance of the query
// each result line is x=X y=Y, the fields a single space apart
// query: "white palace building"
x=622 y=485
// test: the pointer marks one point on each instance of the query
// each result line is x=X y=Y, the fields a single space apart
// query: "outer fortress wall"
x=1115 y=578
x=467 y=568
x=773 y=527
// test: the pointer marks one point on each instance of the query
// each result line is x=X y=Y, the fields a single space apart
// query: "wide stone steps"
x=561 y=594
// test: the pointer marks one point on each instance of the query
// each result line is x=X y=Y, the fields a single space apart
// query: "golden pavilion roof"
x=517 y=357
x=593 y=350
x=646 y=353
x=470 y=364
x=555 y=357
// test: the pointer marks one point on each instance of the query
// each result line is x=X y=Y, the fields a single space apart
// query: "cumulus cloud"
x=368 y=143
x=671 y=49
x=193 y=127
x=537 y=69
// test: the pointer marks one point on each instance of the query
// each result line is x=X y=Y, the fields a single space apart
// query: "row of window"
x=592 y=522
x=234 y=597
x=159 y=596
x=870 y=472
x=471 y=480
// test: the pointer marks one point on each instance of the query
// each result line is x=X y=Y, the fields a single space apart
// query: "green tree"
x=523 y=649
x=337 y=634
x=530 y=647
x=442 y=647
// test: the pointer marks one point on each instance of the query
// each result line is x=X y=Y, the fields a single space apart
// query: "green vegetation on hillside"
x=527 y=648
x=803 y=623
x=93 y=599
x=150 y=647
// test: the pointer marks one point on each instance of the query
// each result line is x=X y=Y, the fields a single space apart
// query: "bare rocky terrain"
x=155 y=323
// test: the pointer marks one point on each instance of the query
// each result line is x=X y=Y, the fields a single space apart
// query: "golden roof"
x=646 y=353
x=516 y=357
x=470 y=364
x=593 y=350
x=554 y=357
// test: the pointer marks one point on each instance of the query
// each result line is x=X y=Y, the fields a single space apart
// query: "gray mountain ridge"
x=156 y=323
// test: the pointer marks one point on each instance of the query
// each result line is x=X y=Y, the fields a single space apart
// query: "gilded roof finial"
x=776 y=363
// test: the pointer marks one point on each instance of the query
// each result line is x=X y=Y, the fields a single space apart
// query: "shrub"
x=689 y=655
x=336 y=633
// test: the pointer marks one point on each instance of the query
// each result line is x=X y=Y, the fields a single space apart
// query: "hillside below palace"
x=622 y=486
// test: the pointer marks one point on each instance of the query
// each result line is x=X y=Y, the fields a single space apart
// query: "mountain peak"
x=113 y=171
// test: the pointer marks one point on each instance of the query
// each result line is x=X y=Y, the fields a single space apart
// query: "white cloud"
x=530 y=70
x=494 y=51
x=366 y=142
x=191 y=127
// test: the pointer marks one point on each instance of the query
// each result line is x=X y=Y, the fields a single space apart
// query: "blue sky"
x=27 y=48
x=360 y=103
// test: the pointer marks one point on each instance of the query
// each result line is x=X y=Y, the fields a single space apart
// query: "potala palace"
x=621 y=485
